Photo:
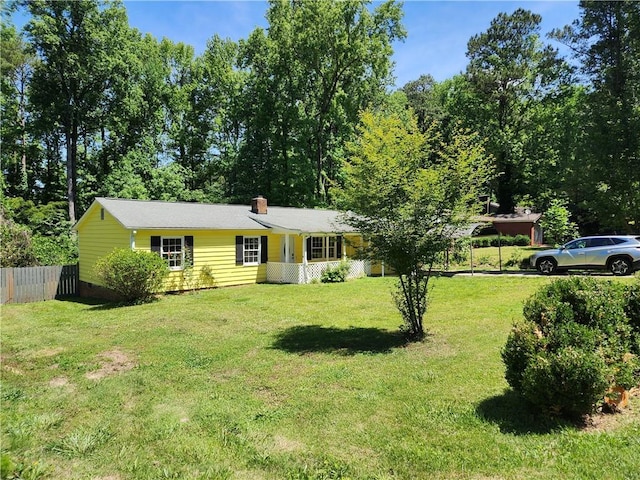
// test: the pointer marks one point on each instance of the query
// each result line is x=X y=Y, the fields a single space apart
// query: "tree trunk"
x=72 y=152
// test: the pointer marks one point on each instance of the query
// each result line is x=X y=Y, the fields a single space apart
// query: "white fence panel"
x=297 y=272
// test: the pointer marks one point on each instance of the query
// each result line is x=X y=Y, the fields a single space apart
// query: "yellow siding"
x=214 y=258
x=353 y=243
x=97 y=238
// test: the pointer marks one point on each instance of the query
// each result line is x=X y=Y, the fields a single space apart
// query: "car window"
x=576 y=244
x=599 y=242
x=618 y=241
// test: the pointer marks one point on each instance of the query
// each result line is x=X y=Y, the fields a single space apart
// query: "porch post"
x=343 y=244
x=304 y=259
x=287 y=253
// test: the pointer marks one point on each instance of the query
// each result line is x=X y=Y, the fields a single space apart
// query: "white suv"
x=620 y=254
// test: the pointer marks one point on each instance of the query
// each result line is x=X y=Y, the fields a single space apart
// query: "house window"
x=252 y=250
x=317 y=247
x=251 y=254
x=172 y=252
x=329 y=248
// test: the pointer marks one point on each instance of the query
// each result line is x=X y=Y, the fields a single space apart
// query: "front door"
x=283 y=249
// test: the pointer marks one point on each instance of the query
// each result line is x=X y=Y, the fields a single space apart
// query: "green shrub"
x=16 y=249
x=522 y=241
x=516 y=260
x=481 y=242
x=134 y=275
x=59 y=250
x=460 y=251
x=335 y=274
x=570 y=381
x=522 y=345
x=632 y=310
x=576 y=341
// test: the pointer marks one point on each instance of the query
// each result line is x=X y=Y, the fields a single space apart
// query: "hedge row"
x=504 y=241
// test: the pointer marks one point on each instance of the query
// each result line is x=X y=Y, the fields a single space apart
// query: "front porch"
x=280 y=272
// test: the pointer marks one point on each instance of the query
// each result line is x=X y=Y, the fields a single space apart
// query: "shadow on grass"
x=345 y=341
x=512 y=414
x=97 y=304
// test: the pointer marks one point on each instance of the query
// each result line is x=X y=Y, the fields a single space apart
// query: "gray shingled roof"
x=302 y=220
x=144 y=214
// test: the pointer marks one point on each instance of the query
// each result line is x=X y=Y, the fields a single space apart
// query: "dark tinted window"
x=600 y=242
x=618 y=241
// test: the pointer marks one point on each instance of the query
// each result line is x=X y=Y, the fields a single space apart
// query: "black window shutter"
x=188 y=250
x=339 y=247
x=239 y=249
x=309 y=248
x=155 y=244
x=264 y=252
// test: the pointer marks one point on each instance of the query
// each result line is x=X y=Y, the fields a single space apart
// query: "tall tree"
x=606 y=38
x=75 y=42
x=318 y=66
x=425 y=99
x=509 y=70
x=16 y=67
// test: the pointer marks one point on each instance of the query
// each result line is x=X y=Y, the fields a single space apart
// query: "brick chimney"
x=259 y=205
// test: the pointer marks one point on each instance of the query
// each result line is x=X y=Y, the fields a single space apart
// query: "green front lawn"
x=287 y=382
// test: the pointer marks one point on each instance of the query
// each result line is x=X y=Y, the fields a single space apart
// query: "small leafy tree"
x=556 y=223
x=134 y=275
x=406 y=192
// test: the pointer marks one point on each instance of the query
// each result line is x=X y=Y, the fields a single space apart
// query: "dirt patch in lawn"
x=284 y=444
x=606 y=422
x=59 y=382
x=47 y=352
x=112 y=363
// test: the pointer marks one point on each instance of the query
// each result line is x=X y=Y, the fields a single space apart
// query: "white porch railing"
x=278 y=272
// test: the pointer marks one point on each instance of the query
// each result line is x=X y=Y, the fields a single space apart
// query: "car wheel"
x=620 y=266
x=546 y=265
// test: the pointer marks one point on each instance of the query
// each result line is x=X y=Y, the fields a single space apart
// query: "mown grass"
x=286 y=382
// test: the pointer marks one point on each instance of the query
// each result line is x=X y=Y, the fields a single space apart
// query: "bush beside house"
x=133 y=275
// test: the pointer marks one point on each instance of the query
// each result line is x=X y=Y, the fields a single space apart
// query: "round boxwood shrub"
x=576 y=342
x=134 y=275
x=569 y=381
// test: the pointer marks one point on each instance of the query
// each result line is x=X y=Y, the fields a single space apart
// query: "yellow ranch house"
x=211 y=245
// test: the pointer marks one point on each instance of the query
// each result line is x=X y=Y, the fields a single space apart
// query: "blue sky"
x=438 y=30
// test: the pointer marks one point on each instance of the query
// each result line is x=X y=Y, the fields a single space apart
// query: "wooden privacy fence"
x=35 y=284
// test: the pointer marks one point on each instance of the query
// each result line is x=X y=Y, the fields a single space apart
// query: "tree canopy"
x=91 y=107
